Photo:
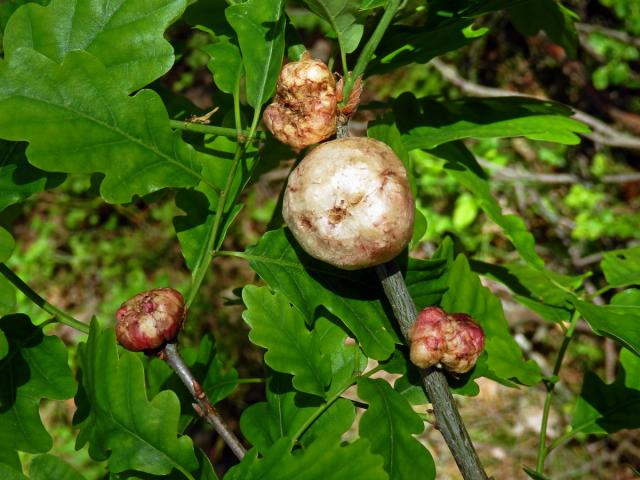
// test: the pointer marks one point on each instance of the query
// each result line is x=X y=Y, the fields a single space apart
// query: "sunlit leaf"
x=35 y=368
x=622 y=267
x=48 y=467
x=280 y=328
x=260 y=27
x=127 y=37
x=389 y=424
x=603 y=407
x=427 y=123
x=225 y=65
x=342 y=16
x=117 y=418
x=353 y=297
x=76 y=121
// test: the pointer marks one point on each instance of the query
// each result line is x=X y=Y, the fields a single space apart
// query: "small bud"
x=454 y=340
x=303 y=111
x=150 y=319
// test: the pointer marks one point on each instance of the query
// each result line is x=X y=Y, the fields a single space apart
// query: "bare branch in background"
x=608 y=32
x=602 y=133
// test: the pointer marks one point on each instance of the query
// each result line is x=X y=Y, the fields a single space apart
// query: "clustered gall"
x=454 y=340
x=150 y=319
x=348 y=203
x=303 y=111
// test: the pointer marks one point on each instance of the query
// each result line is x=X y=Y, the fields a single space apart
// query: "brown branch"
x=602 y=133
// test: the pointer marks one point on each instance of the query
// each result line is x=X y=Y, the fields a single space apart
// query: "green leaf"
x=7 y=244
x=8 y=473
x=467 y=295
x=225 y=65
x=18 y=179
x=35 y=368
x=119 y=422
x=533 y=474
x=607 y=408
x=324 y=458
x=404 y=45
x=427 y=123
x=10 y=458
x=260 y=27
x=127 y=37
x=353 y=297
x=462 y=166
x=620 y=322
x=4 y=345
x=48 y=467
x=286 y=412
x=280 y=328
x=370 y=4
x=389 y=424
x=78 y=121
x=549 y=15
x=622 y=267
x=342 y=16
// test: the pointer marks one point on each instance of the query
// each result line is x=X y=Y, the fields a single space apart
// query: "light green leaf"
x=342 y=16
x=48 y=467
x=7 y=300
x=77 y=120
x=622 y=267
x=309 y=284
x=280 y=328
x=549 y=15
x=127 y=37
x=427 y=123
x=119 y=421
x=4 y=345
x=324 y=458
x=7 y=244
x=18 y=179
x=35 y=368
x=607 y=408
x=462 y=166
x=260 y=27
x=620 y=322
x=225 y=65
x=389 y=424
x=467 y=295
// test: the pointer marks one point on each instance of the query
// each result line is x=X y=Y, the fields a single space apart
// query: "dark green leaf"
x=208 y=15
x=4 y=345
x=127 y=37
x=389 y=424
x=280 y=328
x=48 y=467
x=353 y=297
x=429 y=123
x=603 y=407
x=342 y=16
x=548 y=15
x=10 y=458
x=77 y=120
x=467 y=295
x=225 y=65
x=427 y=280
x=620 y=322
x=324 y=458
x=533 y=474
x=403 y=45
x=260 y=27
x=18 y=179
x=119 y=422
x=622 y=267
x=369 y=4
x=8 y=473
x=35 y=368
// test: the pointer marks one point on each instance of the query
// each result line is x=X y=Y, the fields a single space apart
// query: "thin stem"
x=236 y=108
x=551 y=384
x=434 y=382
x=370 y=47
x=170 y=355
x=60 y=316
x=212 y=129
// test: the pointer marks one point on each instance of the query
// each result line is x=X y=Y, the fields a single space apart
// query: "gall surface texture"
x=150 y=319
x=348 y=203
